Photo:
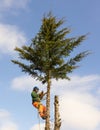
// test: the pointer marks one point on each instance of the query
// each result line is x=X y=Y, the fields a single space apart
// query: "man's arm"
x=42 y=94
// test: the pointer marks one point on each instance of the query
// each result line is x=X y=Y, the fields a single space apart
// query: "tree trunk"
x=57 y=123
x=47 y=122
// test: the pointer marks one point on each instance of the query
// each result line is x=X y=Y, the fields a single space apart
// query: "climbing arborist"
x=36 y=101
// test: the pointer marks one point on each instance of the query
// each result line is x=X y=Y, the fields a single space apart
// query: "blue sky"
x=79 y=99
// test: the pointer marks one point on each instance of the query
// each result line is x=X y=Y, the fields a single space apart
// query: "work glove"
x=41 y=94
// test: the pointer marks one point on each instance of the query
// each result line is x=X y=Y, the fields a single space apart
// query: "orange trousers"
x=41 y=108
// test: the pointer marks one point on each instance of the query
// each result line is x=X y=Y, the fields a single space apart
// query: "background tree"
x=57 y=123
x=46 y=57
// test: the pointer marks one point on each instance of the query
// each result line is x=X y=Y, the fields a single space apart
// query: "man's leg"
x=36 y=104
x=42 y=111
x=41 y=108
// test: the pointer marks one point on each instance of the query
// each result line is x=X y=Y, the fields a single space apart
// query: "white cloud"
x=10 y=37
x=13 y=4
x=6 y=122
x=79 y=111
x=25 y=83
x=9 y=126
x=38 y=126
x=77 y=83
x=4 y=114
x=85 y=83
x=79 y=107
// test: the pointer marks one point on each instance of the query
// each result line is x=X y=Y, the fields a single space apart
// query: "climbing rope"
x=39 y=121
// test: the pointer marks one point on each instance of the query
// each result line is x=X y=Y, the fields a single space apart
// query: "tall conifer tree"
x=49 y=55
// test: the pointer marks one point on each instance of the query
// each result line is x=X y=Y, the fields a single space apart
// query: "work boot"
x=43 y=117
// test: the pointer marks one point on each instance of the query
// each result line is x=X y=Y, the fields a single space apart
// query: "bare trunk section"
x=57 y=123
x=47 y=122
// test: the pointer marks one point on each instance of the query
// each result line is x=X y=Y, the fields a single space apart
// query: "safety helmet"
x=35 y=88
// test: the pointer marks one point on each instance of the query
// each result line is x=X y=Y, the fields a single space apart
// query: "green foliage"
x=46 y=54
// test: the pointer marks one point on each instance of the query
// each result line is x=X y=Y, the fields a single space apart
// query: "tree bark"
x=47 y=122
x=57 y=123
